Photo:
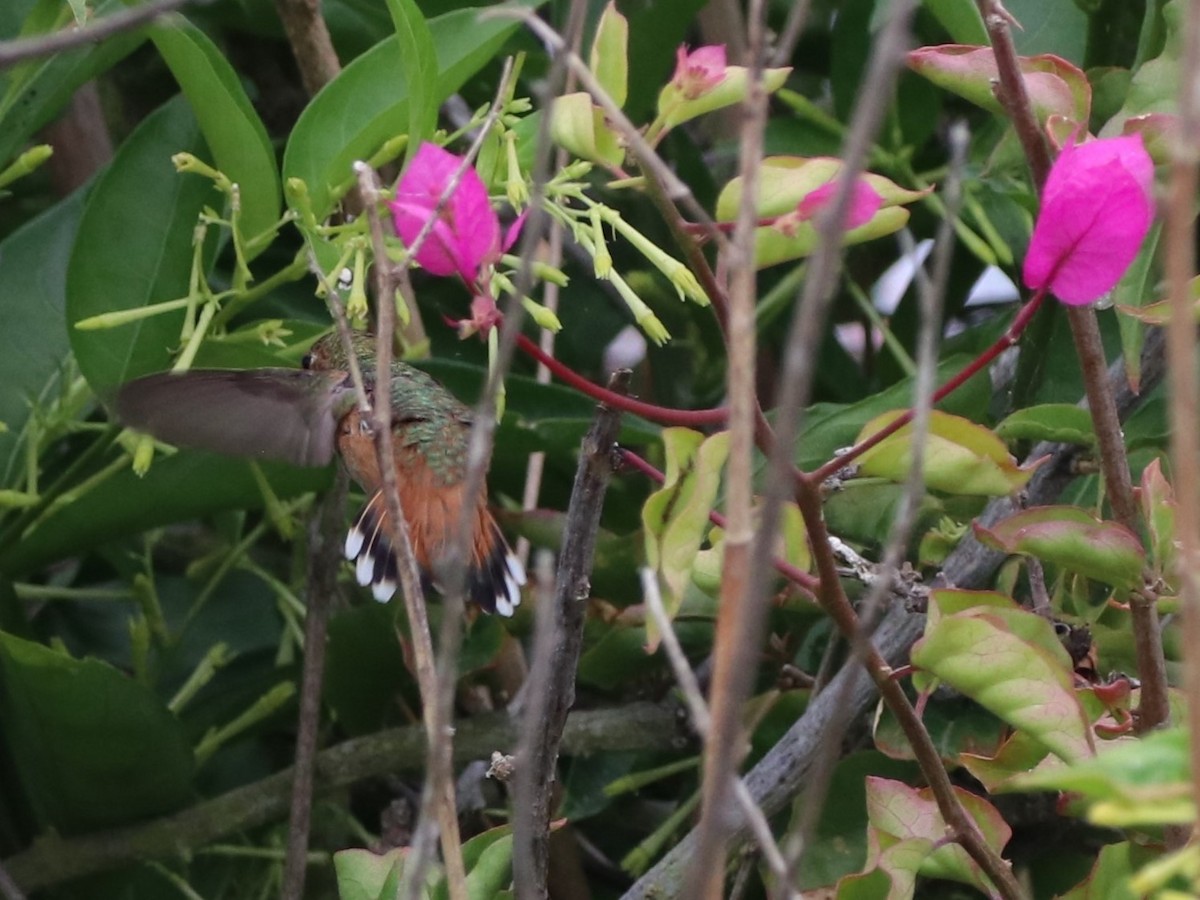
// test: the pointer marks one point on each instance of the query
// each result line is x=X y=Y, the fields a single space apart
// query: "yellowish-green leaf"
x=676 y=516
x=1011 y=663
x=609 y=60
x=960 y=456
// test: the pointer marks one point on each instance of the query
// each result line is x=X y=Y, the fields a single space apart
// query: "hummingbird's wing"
x=284 y=414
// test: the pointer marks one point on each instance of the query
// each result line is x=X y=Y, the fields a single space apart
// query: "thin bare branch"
x=742 y=612
x=438 y=797
x=324 y=558
x=551 y=676
x=21 y=49
x=1180 y=248
x=1153 y=707
x=690 y=688
x=930 y=294
x=311 y=44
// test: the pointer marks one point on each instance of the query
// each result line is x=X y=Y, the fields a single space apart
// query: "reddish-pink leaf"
x=1096 y=209
x=1073 y=539
x=1055 y=86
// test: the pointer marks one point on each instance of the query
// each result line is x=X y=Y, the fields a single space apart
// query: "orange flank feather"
x=431 y=510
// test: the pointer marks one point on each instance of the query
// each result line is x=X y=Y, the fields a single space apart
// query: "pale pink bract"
x=698 y=72
x=1097 y=206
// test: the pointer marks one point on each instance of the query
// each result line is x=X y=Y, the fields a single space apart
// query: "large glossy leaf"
x=232 y=129
x=92 y=746
x=420 y=68
x=36 y=91
x=184 y=486
x=134 y=247
x=33 y=341
x=367 y=103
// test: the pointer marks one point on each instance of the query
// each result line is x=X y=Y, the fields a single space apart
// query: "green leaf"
x=1072 y=538
x=676 y=516
x=1011 y=663
x=232 y=129
x=960 y=456
x=37 y=90
x=33 y=341
x=960 y=18
x=609 y=59
x=1064 y=422
x=367 y=104
x=363 y=875
x=92 y=747
x=1133 y=290
x=1020 y=754
x=420 y=69
x=1109 y=877
x=1158 y=511
x=831 y=426
x=488 y=860
x=184 y=486
x=898 y=813
x=1133 y=781
x=153 y=210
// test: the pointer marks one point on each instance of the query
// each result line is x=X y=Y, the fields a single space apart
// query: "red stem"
x=1006 y=340
x=660 y=414
x=806 y=582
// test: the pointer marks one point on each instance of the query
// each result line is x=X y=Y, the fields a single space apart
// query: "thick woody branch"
x=54 y=860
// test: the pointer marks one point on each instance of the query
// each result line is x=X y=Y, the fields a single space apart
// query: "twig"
x=787 y=766
x=1153 y=707
x=1010 y=90
x=1181 y=350
x=552 y=675
x=742 y=611
x=311 y=44
x=930 y=294
x=663 y=415
x=324 y=557
x=8 y=887
x=690 y=688
x=21 y=49
x=53 y=859
x=438 y=796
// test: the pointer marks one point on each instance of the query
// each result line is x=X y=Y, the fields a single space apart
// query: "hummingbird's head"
x=329 y=353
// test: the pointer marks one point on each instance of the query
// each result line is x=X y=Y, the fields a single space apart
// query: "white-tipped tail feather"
x=494 y=579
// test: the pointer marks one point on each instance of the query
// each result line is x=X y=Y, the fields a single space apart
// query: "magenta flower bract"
x=466 y=235
x=1097 y=206
x=864 y=203
x=700 y=71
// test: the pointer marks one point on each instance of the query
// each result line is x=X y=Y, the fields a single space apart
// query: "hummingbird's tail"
x=495 y=575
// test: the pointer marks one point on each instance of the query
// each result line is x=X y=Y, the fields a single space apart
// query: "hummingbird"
x=303 y=416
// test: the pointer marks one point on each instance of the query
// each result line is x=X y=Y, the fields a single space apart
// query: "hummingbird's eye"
x=307 y=361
